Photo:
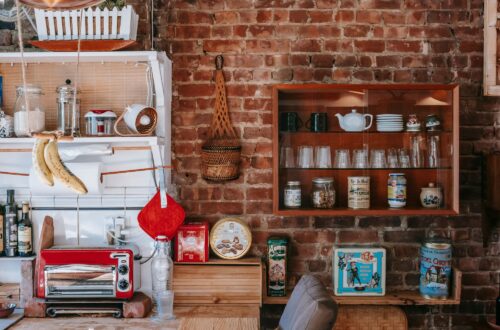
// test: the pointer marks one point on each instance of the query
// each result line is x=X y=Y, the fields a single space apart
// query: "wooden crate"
x=10 y=292
x=218 y=282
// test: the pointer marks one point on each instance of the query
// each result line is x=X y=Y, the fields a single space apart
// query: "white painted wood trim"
x=490 y=87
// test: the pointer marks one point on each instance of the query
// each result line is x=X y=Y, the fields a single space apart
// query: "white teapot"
x=354 y=121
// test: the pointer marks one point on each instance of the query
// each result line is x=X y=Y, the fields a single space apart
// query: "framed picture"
x=359 y=271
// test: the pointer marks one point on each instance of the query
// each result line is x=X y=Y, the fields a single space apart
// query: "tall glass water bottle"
x=162 y=268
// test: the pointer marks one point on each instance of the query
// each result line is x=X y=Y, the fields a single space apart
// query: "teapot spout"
x=341 y=120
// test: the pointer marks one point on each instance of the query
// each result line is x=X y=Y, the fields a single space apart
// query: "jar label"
x=396 y=193
x=24 y=239
x=293 y=197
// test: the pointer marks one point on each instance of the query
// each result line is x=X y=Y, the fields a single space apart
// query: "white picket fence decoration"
x=94 y=24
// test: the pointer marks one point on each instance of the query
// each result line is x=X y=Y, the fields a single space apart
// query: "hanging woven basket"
x=221 y=154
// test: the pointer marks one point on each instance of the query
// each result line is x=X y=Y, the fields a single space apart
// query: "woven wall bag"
x=221 y=154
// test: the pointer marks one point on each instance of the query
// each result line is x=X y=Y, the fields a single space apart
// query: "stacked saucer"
x=390 y=123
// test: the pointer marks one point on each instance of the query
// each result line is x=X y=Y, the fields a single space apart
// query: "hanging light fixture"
x=60 y=4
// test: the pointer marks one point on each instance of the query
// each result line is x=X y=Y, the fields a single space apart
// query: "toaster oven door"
x=80 y=281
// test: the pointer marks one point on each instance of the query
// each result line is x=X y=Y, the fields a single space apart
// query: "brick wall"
x=333 y=41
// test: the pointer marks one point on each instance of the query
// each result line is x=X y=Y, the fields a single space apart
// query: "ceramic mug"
x=318 y=122
x=290 y=122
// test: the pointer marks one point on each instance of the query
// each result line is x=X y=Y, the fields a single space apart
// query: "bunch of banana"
x=48 y=165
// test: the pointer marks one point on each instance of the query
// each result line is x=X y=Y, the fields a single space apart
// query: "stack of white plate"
x=390 y=123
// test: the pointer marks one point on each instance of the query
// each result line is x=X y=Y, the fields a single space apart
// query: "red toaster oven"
x=88 y=272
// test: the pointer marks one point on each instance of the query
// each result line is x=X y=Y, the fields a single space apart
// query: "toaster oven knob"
x=123 y=285
x=123 y=269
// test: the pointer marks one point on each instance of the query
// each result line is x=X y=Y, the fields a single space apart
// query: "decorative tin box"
x=192 y=242
x=359 y=271
x=277 y=249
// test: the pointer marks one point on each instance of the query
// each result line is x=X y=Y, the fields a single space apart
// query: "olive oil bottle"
x=25 y=233
x=10 y=236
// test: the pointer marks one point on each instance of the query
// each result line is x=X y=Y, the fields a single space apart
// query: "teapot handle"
x=371 y=120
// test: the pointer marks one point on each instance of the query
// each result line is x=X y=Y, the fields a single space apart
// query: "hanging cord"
x=78 y=220
x=73 y=110
x=23 y=69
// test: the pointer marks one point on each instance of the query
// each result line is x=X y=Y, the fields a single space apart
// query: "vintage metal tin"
x=191 y=243
x=435 y=268
x=277 y=250
x=396 y=190
x=230 y=238
x=358 y=193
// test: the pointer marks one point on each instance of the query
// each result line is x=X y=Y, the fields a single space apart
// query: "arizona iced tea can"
x=435 y=268
x=277 y=249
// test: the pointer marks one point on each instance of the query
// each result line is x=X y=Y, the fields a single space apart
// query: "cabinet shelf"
x=372 y=99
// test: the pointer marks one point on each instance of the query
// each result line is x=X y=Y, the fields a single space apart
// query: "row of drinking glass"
x=320 y=157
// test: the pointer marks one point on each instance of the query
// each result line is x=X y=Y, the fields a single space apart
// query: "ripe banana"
x=60 y=171
x=39 y=164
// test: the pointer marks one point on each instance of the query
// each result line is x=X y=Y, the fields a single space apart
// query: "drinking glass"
x=360 y=158
x=305 y=157
x=342 y=158
x=416 y=150
x=378 y=158
x=392 y=158
x=433 y=151
x=323 y=157
x=404 y=158
x=164 y=305
x=287 y=159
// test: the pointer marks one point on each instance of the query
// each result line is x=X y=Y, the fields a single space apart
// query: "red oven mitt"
x=156 y=221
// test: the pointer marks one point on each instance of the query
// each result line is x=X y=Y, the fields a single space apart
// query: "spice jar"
x=100 y=122
x=396 y=190
x=323 y=193
x=68 y=104
x=293 y=194
x=29 y=114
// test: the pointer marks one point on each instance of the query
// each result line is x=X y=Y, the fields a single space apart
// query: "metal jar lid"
x=396 y=174
x=67 y=90
x=439 y=243
x=322 y=180
x=293 y=183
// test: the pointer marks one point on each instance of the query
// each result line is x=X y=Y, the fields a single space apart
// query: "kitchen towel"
x=89 y=173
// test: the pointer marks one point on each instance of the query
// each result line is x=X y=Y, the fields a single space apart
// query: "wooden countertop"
x=187 y=318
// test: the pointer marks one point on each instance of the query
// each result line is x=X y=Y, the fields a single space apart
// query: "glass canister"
x=323 y=193
x=100 y=122
x=29 y=114
x=68 y=104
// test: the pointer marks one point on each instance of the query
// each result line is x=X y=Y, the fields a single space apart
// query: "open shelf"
x=3 y=258
x=406 y=297
x=150 y=140
x=422 y=100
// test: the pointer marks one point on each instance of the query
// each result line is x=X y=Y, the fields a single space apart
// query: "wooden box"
x=218 y=281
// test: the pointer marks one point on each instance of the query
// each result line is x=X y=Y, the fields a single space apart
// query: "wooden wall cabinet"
x=419 y=99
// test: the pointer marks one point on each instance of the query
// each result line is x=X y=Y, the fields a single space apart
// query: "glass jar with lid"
x=292 y=194
x=29 y=113
x=323 y=193
x=68 y=109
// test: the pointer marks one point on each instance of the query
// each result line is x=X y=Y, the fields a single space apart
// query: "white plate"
x=389 y=115
x=389 y=129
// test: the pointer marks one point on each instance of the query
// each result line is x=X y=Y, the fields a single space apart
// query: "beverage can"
x=435 y=268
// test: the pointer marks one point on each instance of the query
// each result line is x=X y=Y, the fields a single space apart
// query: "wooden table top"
x=187 y=318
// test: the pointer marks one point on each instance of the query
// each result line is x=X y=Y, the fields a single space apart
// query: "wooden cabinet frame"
x=450 y=174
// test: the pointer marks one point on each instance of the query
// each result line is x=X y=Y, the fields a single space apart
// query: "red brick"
x=379 y=4
x=306 y=45
x=322 y=61
x=261 y=31
x=343 y=16
x=298 y=16
x=222 y=46
x=356 y=30
x=192 y=32
x=321 y=16
x=264 y=16
x=339 y=45
x=358 y=236
x=369 y=46
x=371 y=17
x=403 y=46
